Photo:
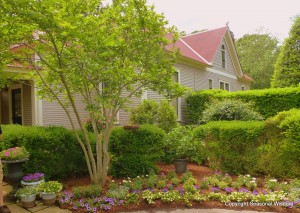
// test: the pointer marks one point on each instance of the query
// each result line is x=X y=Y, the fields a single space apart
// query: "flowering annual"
x=14 y=154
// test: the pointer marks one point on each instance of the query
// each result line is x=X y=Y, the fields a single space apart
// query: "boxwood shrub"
x=280 y=155
x=53 y=150
x=267 y=102
x=135 y=152
x=232 y=145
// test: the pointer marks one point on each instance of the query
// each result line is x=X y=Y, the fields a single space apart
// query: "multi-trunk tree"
x=102 y=54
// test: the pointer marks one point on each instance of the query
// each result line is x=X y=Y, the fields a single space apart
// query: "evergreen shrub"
x=232 y=145
x=53 y=150
x=135 y=152
x=267 y=102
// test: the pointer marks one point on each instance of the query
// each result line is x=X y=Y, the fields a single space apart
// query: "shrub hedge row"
x=231 y=145
x=267 y=102
x=269 y=148
x=135 y=152
x=53 y=150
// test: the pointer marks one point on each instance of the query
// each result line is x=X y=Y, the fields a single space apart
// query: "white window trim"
x=144 y=94
x=225 y=82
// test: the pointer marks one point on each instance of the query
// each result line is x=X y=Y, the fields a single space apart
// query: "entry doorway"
x=16 y=98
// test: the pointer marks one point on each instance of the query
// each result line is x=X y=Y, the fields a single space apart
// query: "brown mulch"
x=199 y=172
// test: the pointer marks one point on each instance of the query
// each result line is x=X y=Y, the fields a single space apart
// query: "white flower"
x=113 y=181
x=248 y=175
x=273 y=180
x=254 y=178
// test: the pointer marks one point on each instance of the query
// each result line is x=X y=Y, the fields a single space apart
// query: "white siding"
x=217 y=61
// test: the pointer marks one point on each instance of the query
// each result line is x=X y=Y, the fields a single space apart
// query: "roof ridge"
x=202 y=32
x=188 y=46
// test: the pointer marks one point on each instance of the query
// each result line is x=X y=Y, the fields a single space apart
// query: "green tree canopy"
x=257 y=54
x=106 y=54
x=287 y=68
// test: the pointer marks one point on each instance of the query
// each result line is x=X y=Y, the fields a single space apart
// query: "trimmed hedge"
x=53 y=150
x=232 y=145
x=135 y=152
x=267 y=102
x=280 y=156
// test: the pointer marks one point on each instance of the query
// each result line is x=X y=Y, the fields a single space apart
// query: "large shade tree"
x=102 y=54
x=257 y=54
x=287 y=68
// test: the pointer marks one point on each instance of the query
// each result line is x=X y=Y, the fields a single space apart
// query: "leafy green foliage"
x=261 y=68
x=150 y=112
x=280 y=155
x=135 y=152
x=53 y=150
x=231 y=145
x=180 y=143
x=84 y=44
x=287 y=68
x=267 y=102
x=230 y=110
x=145 y=113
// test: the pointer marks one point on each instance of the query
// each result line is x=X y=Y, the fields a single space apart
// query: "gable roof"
x=206 y=43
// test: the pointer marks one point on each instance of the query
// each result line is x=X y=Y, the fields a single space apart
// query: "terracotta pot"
x=133 y=127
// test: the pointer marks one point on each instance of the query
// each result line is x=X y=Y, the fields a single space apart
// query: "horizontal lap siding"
x=124 y=113
x=54 y=115
x=217 y=61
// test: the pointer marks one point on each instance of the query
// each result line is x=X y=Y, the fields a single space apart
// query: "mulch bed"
x=199 y=172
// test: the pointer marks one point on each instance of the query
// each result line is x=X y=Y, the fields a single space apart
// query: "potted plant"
x=14 y=159
x=33 y=179
x=27 y=195
x=48 y=191
x=177 y=146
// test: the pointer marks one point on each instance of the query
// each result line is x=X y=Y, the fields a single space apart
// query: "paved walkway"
x=41 y=208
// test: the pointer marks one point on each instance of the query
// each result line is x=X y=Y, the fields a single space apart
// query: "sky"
x=244 y=17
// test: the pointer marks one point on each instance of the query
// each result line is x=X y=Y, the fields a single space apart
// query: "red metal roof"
x=206 y=43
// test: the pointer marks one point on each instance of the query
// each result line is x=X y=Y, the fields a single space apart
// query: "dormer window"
x=223 y=56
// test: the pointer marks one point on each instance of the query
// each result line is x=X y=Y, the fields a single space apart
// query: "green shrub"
x=229 y=110
x=280 y=156
x=145 y=113
x=135 y=152
x=53 y=150
x=180 y=143
x=150 y=112
x=166 y=116
x=232 y=145
x=267 y=102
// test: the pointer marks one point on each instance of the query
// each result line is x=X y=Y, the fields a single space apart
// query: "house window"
x=224 y=85
x=223 y=56
x=210 y=83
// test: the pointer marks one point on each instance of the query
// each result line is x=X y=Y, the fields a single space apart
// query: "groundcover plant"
x=170 y=188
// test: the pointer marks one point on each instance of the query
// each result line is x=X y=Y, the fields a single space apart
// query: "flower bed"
x=210 y=191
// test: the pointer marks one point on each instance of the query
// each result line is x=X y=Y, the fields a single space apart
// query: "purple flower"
x=95 y=209
x=88 y=208
x=196 y=186
x=165 y=190
x=62 y=200
x=243 y=190
x=215 y=189
x=121 y=202
x=255 y=192
x=228 y=190
x=75 y=207
x=181 y=191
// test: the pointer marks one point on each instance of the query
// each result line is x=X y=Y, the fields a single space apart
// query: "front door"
x=16 y=106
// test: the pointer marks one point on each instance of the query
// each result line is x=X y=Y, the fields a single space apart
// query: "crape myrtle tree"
x=287 y=67
x=102 y=54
